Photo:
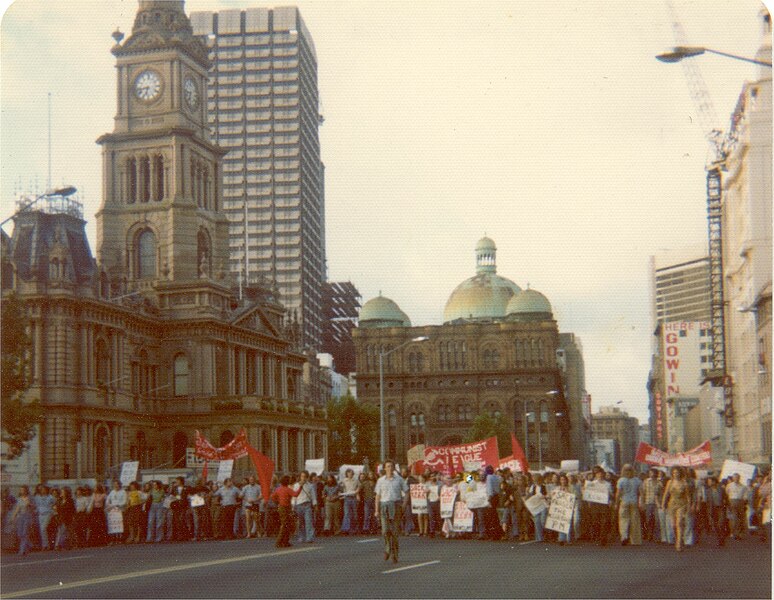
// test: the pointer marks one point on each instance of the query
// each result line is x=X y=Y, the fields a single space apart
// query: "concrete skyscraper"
x=263 y=108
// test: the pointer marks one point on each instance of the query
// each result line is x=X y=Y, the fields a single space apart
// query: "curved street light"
x=382 y=354
x=62 y=192
x=678 y=53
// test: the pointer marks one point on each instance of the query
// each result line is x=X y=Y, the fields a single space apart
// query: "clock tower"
x=161 y=230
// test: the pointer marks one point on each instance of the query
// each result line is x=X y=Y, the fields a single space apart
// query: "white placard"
x=570 y=466
x=196 y=500
x=477 y=499
x=418 y=498
x=129 y=472
x=115 y=521
x=599 y=493
x=560 y=512
x=463 y=518
x=746 y=471
x=225 y=469
x=472 y=466
x=315 y=465
x=448 y=494
x=536 y=504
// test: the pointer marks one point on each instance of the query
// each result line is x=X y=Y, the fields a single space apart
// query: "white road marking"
x=148 y=572
x=366 y=541
x=38 y=562
x=406 y=568
x=531 y=542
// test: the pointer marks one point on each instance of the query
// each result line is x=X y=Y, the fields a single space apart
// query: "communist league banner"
x=700 y=455
x=451 y=459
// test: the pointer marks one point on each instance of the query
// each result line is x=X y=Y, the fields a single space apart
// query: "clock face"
x=191 y=93
x=147 y=86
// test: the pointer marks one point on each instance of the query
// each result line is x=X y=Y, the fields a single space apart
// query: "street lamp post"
x=382 y=354
x=678 y=53
x=62 y=192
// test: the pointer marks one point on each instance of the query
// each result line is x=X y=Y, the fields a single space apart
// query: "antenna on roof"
x=48 y=181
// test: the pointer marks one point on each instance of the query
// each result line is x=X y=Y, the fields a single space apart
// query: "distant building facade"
x=341 y=307
x=613 y=423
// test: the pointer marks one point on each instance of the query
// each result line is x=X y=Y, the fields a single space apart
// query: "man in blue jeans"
x=305 y=503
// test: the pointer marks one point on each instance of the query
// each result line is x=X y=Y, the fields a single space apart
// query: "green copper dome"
x=382 y=312
x=529 y=303
x=484 y=296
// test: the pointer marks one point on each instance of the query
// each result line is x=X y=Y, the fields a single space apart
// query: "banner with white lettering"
x=451 y=459
x=129 y=472
x=700 y=455
x=418 y=499
x=448 y=494
x=463 y=518
x=560 y=512
x=115 y=521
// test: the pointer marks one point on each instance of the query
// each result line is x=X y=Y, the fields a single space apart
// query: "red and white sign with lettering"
x=700 y=455
x=451 y=459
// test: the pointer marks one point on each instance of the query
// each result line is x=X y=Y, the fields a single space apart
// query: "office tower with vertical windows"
x=680 y=285
x=263 y=108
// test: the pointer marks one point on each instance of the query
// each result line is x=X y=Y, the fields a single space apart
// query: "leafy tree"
x=19 y=415
x=485 y=426
x=353 y=431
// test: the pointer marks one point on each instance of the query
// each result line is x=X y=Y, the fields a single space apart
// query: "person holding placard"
x=282 y=496
x=737 y=498
x=433 y=487
x=116 y=503
x=538 y=491
x=677 y=499
x=419 y=504
x=598 y=494
x=349 y=489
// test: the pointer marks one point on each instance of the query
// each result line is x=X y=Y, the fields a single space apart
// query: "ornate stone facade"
x=134 y=351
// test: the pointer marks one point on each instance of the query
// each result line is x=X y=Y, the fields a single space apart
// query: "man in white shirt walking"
x=389 y=492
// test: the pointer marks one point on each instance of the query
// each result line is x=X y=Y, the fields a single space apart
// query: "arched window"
x=102 y=362
x=179 y=445
x=181 y=370
x=158 y=187
x=225 y=438
x=543 y=412
x=540 y=353
x=145 y=179
x=146 y=255
x=392 y=431
x=417 y=425
x=291 y=388
x=131 y=168
x=102 y=451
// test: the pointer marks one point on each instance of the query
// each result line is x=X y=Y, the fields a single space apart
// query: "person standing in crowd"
x=407 y=520
x=282 y=496
x=155 y=531
x=22 y=516
x=44 y=507
x=565 y=486
x=577 y=489
x=736 y=492
x=433 y=488
x=179 y=508
x=98 y=517
x=319 y=510
x=367 y=499
x=701 y=524
x=598 y=512
x=422 y=510
x=305 y=503
x=83 y=507
x=493 y=485
x=65 y=513
x=349 y=488
x=763 y=507
x=388 y=496
x=228 y=495
x=116 y=501
x=332 y=506
x=677 y=499
x=134 y=515
x=627 y=507
x=538 y=488
x=650 y=497
x=251 y=503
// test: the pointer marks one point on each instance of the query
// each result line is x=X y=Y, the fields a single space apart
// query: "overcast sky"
x=549 y=126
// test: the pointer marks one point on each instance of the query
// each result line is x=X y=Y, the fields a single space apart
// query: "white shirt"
x=116 y=499
x=390 y=489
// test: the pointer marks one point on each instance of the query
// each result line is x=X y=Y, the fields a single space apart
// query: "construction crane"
x=719 y=145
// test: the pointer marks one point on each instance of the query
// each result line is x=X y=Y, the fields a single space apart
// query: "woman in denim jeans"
x=540 y=518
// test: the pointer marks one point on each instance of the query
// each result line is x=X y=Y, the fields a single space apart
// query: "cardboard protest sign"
x=224 y=470
x=570 y=466
x=746 y=471
x=477 y=499
x=536 y=504
x=315 y=465
x=560 y=512
x=115 y=521
x=197 y=500
x=463 y=518
x=418 y=498
x=129 y=472
x=451 y=459
x=448 y=494
x=597 y=492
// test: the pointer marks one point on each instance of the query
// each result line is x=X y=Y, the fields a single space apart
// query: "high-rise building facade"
x=263 y=103
x=611 y=423
x=680 y=285
x=341 y=304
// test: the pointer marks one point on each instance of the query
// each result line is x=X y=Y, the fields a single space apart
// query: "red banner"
x=236 y=448
x=450 y=459
x=700 y=455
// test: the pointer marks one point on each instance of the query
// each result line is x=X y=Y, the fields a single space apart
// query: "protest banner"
x=451 y=459
x=463 y=518
x=448 y=494
x=315 y=465
x=745 y=470
x=115 y=521
x=418 y=499
x=224 y=470
x=536 y=504
x=596 y=492
x=700 y=455
x=129 y=472
x=477 y=499
x=414 y=458
x=560 y=512
x=570 y=466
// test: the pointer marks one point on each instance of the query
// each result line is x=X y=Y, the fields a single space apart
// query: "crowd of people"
x=675 y=508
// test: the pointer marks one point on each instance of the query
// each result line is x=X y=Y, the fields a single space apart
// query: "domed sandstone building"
x=498 y=351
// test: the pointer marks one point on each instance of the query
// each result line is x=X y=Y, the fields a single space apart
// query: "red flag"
x=204 y=472
x=264 y=467
x=518 y=453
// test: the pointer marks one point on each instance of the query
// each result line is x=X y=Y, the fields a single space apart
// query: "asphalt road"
x=353 y=567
